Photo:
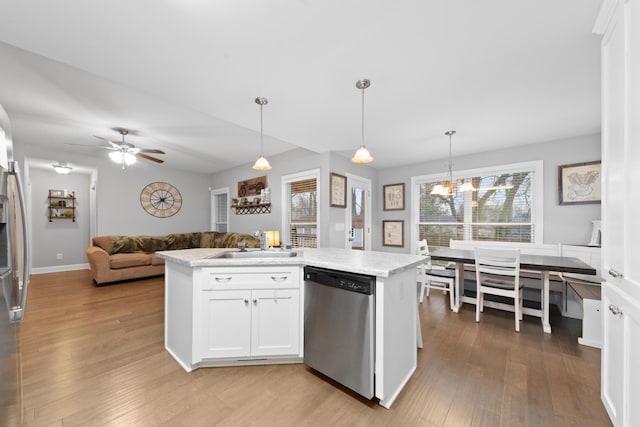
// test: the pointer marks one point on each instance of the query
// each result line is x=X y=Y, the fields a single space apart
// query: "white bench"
x=583 y=297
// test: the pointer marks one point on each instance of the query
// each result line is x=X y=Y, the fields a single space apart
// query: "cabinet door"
x=224 y=324
x=275 y=322
x=620 y=362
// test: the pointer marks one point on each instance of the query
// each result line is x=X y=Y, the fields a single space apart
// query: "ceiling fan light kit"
x=126 y=154
x=362 y=155
x=262 y=164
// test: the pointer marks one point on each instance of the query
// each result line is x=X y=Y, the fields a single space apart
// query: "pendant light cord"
x=363 y=116
x=261 y=134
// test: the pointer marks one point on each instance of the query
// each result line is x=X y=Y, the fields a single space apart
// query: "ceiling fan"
x=126 y=153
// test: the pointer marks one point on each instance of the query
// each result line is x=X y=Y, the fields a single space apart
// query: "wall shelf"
x=260 y=208
x=59 y=205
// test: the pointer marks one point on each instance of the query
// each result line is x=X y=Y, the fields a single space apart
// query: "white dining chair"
x=433 y=277
x=498 y=273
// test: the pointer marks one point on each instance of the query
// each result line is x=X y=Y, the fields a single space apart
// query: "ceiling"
x=183 y=75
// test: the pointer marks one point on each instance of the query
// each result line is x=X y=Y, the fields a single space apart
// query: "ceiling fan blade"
x=151 y=150
x=114 y=144
x=153 y=159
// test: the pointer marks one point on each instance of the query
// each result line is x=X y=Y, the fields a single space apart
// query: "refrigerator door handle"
x=17 y=313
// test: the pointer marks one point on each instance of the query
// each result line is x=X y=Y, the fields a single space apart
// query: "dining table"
x=545 y=264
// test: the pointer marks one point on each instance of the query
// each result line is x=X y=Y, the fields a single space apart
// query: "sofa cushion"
x=181 y=241
x=117 y=261
x=103 y=242
x=156 y=260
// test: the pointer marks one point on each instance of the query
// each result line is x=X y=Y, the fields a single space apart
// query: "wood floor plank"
x=94 y=356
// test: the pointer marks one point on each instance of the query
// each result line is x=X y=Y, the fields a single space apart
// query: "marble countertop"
x=381 y=264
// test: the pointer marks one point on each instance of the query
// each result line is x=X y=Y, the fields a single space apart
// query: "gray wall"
x=293 y=161
x=565 y=224
x=60 y=236
x=118 y=203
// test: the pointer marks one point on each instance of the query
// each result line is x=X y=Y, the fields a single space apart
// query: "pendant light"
x=262 y=164
x=441 y=190
x=362 y=155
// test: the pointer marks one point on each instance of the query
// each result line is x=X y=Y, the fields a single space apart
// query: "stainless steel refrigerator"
x=14 y=280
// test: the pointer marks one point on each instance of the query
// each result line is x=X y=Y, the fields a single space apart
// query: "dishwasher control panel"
x=353 y=282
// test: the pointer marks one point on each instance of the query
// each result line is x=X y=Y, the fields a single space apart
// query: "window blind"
x=501 y=208
x=221 y=213
x=303 y=213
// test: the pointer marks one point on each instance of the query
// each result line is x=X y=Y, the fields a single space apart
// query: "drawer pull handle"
x=208 y=290
x=279 y=279
x=223 y=279
x=246 y=301
x=255 y=301
x=615 y=310
x=615 y=274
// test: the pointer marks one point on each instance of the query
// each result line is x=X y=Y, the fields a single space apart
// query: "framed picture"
x=393 y=233
x=579 y=183
x=338 y=190
x=393 y=197
x=252 y=187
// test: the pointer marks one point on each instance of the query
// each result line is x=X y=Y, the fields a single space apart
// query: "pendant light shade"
x=262 y=164
x=362 y=155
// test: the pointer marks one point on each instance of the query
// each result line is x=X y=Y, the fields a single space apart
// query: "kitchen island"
x=222 y=311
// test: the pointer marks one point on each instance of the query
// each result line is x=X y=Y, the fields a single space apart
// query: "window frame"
x=285 y=181
x=214 y=208
x=537 y=215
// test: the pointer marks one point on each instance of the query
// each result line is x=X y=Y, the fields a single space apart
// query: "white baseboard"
x=59 y=268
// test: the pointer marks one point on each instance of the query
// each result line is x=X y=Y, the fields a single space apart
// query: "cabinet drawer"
x=253 y=277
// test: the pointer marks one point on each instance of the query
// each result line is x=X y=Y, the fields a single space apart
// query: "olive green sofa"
x=117 y=258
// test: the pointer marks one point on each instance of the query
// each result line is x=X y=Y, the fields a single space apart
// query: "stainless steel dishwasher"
x=339 y=327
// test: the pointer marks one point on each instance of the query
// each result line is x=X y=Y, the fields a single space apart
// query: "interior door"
x=358 y=213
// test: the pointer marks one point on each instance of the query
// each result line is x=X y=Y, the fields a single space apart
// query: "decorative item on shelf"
x=362 y=155
x=234 y=201
x=252 y=186
x=256 y=200
x=61 y=205
x=273 y=238
x=261 y=208
x=262 y=164
x=441 y=190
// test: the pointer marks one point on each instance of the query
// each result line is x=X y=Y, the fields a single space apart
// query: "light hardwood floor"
x=95 y=356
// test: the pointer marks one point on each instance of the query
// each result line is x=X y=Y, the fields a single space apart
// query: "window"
x=220 y=210
x=506 y=205
x=300 y=209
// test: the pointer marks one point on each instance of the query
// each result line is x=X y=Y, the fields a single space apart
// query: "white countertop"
x=381 y=264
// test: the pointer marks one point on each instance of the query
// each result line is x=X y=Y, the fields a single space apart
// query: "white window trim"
x=299 y=176
x=214 y=193
x=538 y=207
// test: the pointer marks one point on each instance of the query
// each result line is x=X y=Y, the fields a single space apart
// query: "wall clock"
x=161 y=199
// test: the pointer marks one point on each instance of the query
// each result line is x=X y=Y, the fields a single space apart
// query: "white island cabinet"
x=223 y=311
x=233 y=315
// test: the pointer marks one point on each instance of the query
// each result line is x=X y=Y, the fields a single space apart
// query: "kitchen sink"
x=259 y=254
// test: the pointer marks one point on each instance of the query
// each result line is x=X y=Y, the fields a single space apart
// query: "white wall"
x=565 y=224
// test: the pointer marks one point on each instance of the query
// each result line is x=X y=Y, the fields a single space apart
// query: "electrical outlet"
x=59 y=256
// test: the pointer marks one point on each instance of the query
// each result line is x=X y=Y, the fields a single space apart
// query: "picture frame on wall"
x=338 y=190
x=393 y=196
x=393 y=233
x=579 y=183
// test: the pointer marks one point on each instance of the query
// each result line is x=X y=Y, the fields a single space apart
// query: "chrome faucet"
x=263 y=239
